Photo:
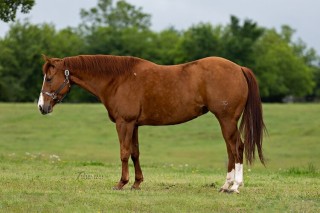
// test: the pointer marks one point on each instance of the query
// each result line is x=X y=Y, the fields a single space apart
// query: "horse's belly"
x=172 y=116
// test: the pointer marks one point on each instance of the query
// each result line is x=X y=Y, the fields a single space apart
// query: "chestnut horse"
x=137 y=92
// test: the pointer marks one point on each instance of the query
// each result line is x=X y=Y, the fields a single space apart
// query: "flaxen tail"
x=252 y=126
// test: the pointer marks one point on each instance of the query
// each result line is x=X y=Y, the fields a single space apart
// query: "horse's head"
x=56 y=84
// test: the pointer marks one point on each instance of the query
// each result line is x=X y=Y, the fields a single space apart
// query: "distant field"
x=69 y=161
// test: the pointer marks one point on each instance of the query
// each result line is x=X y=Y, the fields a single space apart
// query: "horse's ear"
x=52 y=61
x=45 y=58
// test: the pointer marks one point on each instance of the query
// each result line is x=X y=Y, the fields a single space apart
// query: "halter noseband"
x=54 y=95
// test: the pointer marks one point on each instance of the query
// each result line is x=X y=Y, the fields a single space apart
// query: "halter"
x=54 y=95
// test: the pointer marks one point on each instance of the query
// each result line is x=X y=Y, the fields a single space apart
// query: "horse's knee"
x=125 y=157
x=125 y=153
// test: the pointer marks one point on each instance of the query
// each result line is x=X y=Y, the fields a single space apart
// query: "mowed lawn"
x=69 y=162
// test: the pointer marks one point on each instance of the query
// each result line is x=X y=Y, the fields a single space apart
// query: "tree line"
x=284 y=67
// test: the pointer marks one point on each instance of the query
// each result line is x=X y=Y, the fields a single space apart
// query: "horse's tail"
x=252 y=126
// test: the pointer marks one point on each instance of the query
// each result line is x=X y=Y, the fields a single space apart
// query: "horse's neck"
x=92 y=84
x=99 y=84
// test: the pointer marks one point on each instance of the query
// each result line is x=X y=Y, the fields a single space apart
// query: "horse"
x=137 y=92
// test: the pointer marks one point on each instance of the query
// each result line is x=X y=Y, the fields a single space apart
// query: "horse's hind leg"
x=230 y=173
x=135 y=158
x=235 y=148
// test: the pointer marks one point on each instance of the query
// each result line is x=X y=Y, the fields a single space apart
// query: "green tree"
x=21 y=61
x=120 y=29
x=159 y=47
x=122 y=15
x=8 y=8
x=310 y=57
x=281 y=72
x=166 y=49
x=238 y=41
x=127 y=41
x=199 y=41
x=316 y=92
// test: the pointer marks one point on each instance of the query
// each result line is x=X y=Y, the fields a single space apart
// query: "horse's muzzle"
x=45 y=109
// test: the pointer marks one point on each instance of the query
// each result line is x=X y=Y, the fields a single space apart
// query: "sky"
x=301 y=15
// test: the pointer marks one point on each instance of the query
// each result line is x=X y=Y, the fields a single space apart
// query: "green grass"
x=69 y=162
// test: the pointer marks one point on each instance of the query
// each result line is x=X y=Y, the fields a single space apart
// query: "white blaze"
x=41 y=101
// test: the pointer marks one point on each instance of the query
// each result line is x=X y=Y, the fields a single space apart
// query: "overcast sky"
x=302 y=15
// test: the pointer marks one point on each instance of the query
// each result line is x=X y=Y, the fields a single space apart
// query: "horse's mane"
x=101 y=64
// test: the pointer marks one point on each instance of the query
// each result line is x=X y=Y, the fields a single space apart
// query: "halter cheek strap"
x=54 y=95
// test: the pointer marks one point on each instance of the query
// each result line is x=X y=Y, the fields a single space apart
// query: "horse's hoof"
x=233 y=191
x=229 y=191
x=135 y=188
x=116 y=188
x=224 y=190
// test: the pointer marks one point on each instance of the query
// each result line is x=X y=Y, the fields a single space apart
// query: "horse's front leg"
x=135 y=158
x=125 y=133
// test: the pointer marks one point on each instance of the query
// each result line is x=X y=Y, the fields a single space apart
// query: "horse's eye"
x=48 y=79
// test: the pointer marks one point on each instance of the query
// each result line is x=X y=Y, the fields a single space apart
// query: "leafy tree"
x=281 y=72
x=138 y=43
x=120 y=29
x=157 y=47
x=316 y=92
x=122 y=15
x=312 y=60
x=20 y=52
x=166 y=46
x=239 y=41
x=199 y=41
x=21 y=61
x=234 y=41
x=128 y=41
x=8 y=8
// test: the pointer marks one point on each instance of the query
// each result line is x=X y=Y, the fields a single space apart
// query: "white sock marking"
x=239 y=173
x=229 y=180
x=238 y=179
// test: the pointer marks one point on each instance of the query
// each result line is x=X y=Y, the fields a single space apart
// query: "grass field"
x=69 y=162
